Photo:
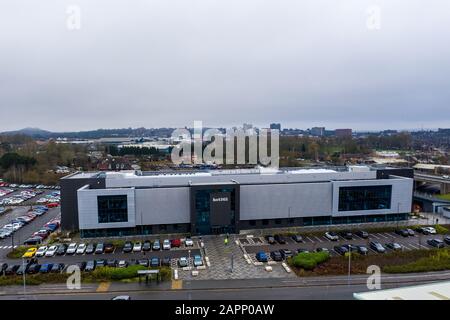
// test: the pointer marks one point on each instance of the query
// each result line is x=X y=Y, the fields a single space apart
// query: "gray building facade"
x=227 y=201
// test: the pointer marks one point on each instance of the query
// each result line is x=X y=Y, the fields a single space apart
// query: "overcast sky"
x=159 y=63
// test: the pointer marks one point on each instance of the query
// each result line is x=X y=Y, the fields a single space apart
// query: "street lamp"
x=349 y=263
x=24 y=282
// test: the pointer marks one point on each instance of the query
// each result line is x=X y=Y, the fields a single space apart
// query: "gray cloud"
x=168 y=63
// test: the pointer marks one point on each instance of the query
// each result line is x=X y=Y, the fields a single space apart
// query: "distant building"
x=342 y=133
x=275 y=126
x=247 y=126
x=318 y=131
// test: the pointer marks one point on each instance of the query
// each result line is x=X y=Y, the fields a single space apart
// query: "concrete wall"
x=286 y=200
x=88 y=208
x=162 y=206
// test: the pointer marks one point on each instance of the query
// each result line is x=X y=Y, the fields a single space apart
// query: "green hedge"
x=436 y=262
x=309 y=260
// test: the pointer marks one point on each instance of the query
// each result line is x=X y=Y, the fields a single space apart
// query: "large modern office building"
x=228 y=201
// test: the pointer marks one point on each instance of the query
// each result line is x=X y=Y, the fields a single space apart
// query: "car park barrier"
x=207 y=262
x=257 y=263
x=194 y=273
x=175 y=274
x=271 y=262
x=201 y=267
x=268 y=268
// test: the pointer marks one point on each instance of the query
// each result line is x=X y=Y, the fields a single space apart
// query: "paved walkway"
x=221 y=258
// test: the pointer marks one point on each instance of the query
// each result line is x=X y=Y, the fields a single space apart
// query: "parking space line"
x=382 y=235
x=309 y=239
x=425 y=247
x=318 y=239
x=414 y=246
x=373 y=235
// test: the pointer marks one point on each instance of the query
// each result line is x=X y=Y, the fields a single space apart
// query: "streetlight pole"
x=349 y=264
x=24 y=281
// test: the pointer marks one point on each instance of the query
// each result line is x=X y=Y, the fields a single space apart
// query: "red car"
x=52 y=205
x=175 y=243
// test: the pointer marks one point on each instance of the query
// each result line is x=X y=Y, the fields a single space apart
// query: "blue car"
x=262 y=256
x=154 y=262
x=46 y=267
x=44 y=208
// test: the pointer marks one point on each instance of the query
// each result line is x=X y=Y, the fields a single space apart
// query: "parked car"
x=81 y=265
x=34 y=268
x=302 y=250
x=347 y=235
x=46 y=267
x=198 y=261
x=137 y=247
x=154 y=262
x=156 y=245
x=122 y=264
x=280 y=239
x=72 y=248
x=175 y=243
x=90 y=266
x=51 y=251
x=109 y=248
x=90 y=248
x=127 y=247
x=61 y=249
x=142 y=262
x=410 y=232
x=447 y=239
x=378 y=247
x=286 y=253
x=57 y=267
x=297 y=238
x=99 y=248
x=322 y=250
x=100 y=263
x=427 y=230
x=402 y=232
x=183 y=262
x=188 y=242
x=437 y=243
x=147 y=246
x=362 y=234
x=11 y=269
x=22 y=269
x=262 y=256
x=394 y=246
x=33 y=241
x=165 y=261
x=270 y=239
x=276 y=256
x=41 y=251
x=363 y=250
x=166 y=244
x=340 y=250
x=81 y=248
x=330 y=235
x=30 y=253
x=111 y=263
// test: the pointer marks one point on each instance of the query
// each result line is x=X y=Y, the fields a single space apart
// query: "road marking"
x=425 y=247
x=439 y=296
x=103 y=287
x=414 y=246
x=318 y=239
x=309 y=239
x=373 y=235
x=177 y=284
x=382 y=235
x=9 y=247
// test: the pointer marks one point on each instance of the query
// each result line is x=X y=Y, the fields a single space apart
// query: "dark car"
x=128 y=247
x=100 y=248
x=394 y=246
x=81 y=265
x=341 y=250
x=286 y=253
x=436 y=243
x=34 y=268
x=276 y=256
x=3 y=268
x=90 y=248
x=46 y=267
x=410 y=232
x=142 y=262
x=362 y=234
x=297 y=238
x=90 y=266
x=61 y=249
x=322 y=250
x=154 y=262
x=261 y=256
x=402 y=232
x=147 y=246
x=22 y=269
x=347 y=235
x=112 y=263
x=280 y=239
x=270 y=239
x=100 y=263
x=350 y=247
x=301 y=250
x=57 y=267
x=12 y=269
x=165 y=261
x=109 y=248
x=447 y=239
x=378 y=247
x=33 y=241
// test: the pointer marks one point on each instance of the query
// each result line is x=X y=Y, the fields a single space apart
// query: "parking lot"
x=253 y=245
x=40 y=193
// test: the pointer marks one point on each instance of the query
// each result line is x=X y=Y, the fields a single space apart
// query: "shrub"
x=18 y=252
x=309 y=260
x=439 y=260
x=440 y=229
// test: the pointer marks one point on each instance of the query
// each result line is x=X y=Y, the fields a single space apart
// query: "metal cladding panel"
x=401 y=200
x=286 y=200
x=162 y=206
x=88 y=208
